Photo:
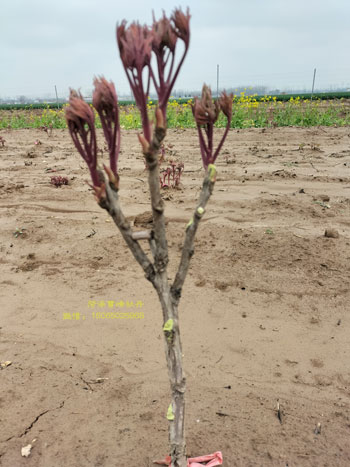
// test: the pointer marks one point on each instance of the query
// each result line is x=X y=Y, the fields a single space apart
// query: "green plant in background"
x=248 y=111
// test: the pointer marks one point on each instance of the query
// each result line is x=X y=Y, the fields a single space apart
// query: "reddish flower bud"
x=104 y=98
x=163 y=35
x=105 y=101
x=79 y=112
x=204 y=110
x=160 y=123
x=135 y=45
x=100 y=192
x=225 y=103
x=182 y=24
x=81 y=124
x=144 y=144
x=112 y=178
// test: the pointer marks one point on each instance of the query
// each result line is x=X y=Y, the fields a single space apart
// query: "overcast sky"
x=278 y=43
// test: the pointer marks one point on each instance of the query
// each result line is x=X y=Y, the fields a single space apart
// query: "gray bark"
x=156 y=273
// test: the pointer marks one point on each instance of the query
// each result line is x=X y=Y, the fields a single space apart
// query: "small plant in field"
x=47 y=129
x=136 y=45
x=2 y=141
x=58 y=181
x=171 y=176
x=229 y=160
x=162 y=154
x=19 y=231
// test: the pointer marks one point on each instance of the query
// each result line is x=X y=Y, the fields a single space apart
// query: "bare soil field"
x=265 y=312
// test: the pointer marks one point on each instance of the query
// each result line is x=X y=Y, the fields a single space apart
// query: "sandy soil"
x=264 y=315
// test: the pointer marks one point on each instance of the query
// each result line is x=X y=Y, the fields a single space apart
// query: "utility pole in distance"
x=313 y=84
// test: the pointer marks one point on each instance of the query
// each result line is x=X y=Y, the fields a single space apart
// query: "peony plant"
x=137 y=45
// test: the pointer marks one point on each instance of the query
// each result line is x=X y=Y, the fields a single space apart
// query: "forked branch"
x=112 y=205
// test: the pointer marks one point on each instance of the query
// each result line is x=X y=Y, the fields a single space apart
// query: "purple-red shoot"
x=162 y=154
x=136 y=44
x=135 y=48
x=205 y=113
x=58 y=181
x=105 y=101
x=173 y=174
x=47 y=129
x=2 y=141
x=81 y=124
x=166 y=32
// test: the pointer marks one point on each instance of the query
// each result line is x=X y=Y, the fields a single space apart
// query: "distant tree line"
x=177 y=94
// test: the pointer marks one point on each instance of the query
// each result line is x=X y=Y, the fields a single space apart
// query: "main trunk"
x=173 y=352
x=178 y=387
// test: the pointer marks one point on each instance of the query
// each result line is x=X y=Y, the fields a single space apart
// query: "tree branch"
x=142 y=235
x=112 y=204
x=191 y=229
x=151 y=156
